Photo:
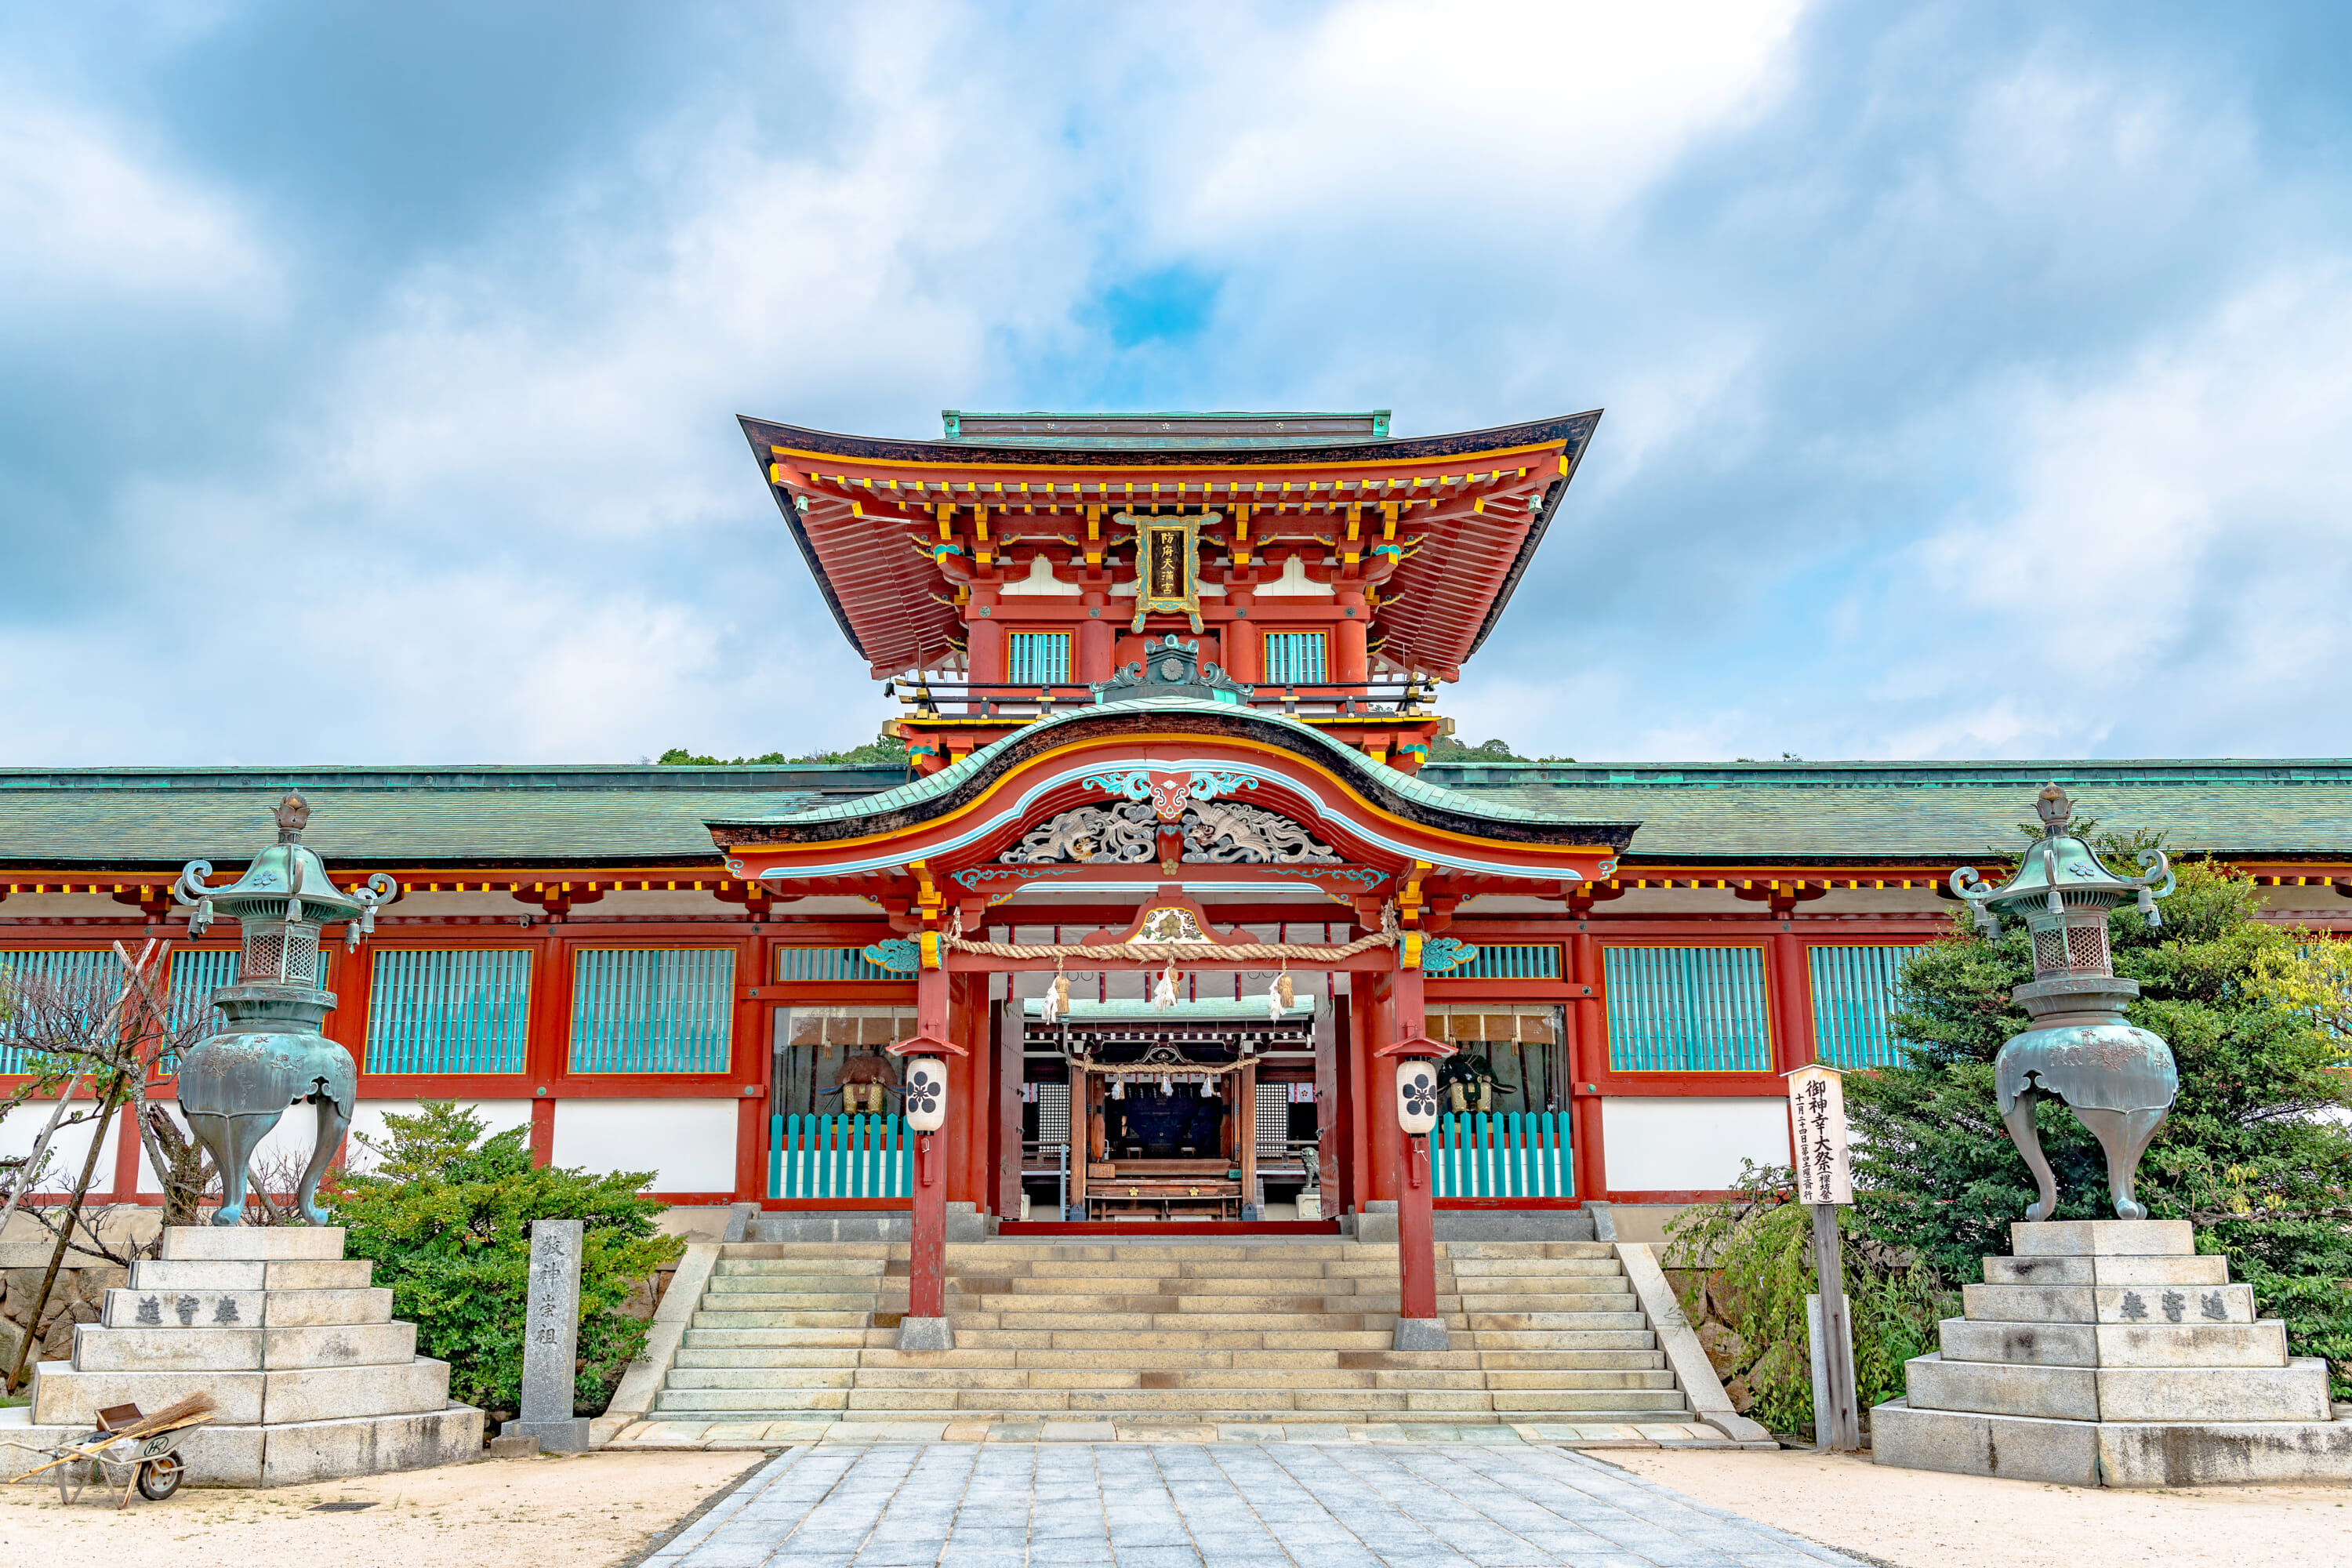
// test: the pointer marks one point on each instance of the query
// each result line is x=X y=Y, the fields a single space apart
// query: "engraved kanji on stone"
x=2175 y=1303
x=2135 y=1309
x=185 y=1307
x=151 y=1312
x=227 y=1311
x=2211 y=1305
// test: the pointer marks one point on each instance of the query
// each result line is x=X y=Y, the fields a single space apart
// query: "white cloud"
x=2162 y=567
x=90 y=214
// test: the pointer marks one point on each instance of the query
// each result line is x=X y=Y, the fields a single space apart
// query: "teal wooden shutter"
x=83 y=971
x=831 y=964
x=463 y=1010
x=1294 y=658
x=1686 y=1009
x=1853 y=998
x=1040 y=659
x=652 y=1010
x=1538 y=961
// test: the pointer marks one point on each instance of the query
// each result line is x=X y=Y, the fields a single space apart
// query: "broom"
x=195 y=1410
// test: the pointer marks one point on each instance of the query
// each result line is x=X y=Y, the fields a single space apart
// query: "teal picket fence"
x=1502 y=1154
x=840 y=1157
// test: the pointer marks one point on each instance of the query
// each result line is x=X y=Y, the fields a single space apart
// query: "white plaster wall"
x=690 y=1144
x=68 y=1150
x=1669 y=1143
x=296 y=1133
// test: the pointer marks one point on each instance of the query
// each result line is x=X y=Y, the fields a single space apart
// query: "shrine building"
x=1178 y=872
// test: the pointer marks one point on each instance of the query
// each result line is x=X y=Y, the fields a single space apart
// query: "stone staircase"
x=1271 y=1329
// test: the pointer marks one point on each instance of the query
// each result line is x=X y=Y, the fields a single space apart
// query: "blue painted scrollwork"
x=1440 y=954
x=895 y=953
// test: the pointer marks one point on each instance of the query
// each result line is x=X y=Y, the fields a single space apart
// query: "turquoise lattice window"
x=1686 y=1009
x=1853 y=998
x=1040 y=659
x=1533 y=960
x=85 y=975
x=462 y=1010
x=830 y=963
x=653 y=1010
x=1294 y=658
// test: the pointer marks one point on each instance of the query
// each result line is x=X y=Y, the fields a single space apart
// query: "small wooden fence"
x=840 y=1157
x=1502 y=1154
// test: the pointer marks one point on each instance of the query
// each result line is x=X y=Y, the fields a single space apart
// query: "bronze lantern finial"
x=293 y=814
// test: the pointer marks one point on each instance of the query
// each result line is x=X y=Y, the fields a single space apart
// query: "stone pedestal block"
x=310 y=1375
x=569 y=1436
x=2109 y=1353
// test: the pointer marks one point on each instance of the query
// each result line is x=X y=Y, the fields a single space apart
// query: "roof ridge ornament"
x=1170 y=666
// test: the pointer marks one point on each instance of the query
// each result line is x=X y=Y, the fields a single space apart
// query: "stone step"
x=1570 y=1361
x=1121 y=1250
x=1549 y=1249
x=1251 y=1285
x=1096 y=1341
x=1563 y=1339
x=706 y=1319
x=684 y=1377
x=836 y=1267
x=1292 y=1417
x=1549 y=1301
x=1296 y=1322
x=1579 y=1377
x=1259 y=1307
x=692 y=1354
x=798 y=1284
x=748 y=1251
x=1515 y=1322
x=779 y=1340
x=729 y=1295
x=1536 y=1268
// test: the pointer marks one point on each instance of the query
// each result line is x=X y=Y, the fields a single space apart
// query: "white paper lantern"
x=927 y=1094
x=1416 y=1082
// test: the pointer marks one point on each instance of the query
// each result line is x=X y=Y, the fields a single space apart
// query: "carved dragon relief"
x=1215 y=832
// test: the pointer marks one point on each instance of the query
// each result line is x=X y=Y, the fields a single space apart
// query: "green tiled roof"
x=1343 y=758
x=1731 y=811
x=129 y=818
x=153 y=817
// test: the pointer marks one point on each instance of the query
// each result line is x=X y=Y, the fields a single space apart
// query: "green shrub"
x=443 y=1214
x=1751 y=1267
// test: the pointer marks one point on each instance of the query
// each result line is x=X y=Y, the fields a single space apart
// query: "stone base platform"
x=311 y=1377
x=283 y=1455
x=2110 y=1352
x=2112 y=1453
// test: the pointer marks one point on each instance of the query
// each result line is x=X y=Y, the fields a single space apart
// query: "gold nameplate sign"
x=1167 y=566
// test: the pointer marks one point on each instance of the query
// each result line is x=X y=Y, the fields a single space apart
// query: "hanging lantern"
x=1416 y=1084
x=927 y=1094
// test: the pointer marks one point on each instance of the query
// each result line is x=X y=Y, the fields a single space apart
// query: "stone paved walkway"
x=1135 y=1505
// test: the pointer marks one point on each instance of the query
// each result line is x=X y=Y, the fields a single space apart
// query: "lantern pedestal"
x=2110 y=1352
x=313 y=1377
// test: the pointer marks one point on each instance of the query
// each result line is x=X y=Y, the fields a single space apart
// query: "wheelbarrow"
x=138 y=1453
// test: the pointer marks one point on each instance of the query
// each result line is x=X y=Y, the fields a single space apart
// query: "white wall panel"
x=68 y=1150
x=690 y=1144
x=1669 y=1143
x=297 y=1132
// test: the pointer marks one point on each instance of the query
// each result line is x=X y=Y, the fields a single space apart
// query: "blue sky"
x=1978 y=376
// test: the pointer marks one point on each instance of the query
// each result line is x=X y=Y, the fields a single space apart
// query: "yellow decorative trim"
x=978 y=462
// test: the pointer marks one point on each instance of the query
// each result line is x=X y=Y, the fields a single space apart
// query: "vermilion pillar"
x=1350 y=664
x=1418 y=1324
x=927 y=1268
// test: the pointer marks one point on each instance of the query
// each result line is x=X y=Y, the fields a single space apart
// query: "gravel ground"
x=1917 y=1519
x=586 y=1510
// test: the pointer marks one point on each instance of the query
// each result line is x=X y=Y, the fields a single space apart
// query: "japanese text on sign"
x=1817 y=1120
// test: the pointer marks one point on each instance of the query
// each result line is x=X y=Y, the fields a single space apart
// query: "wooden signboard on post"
x=1825 y=1184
